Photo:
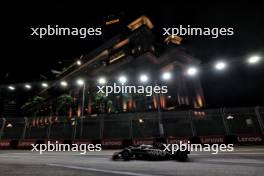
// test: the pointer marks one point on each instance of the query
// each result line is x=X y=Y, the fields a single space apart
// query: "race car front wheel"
x=126 y=155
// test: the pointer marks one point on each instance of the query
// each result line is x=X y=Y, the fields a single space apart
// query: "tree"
x=102 y=104
x=64 y=102
x=33 y=106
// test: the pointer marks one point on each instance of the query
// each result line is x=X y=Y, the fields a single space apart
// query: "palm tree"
x=33 y=106
x=103 y=104
x=64 y=102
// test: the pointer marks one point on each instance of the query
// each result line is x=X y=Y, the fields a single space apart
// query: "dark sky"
x=26 y=57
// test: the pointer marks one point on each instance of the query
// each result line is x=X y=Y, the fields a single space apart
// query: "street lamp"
x=9 y=125
x=11 y=88
x=81 y=82
x=253 y=59
x=122 y=79
x=63 y=83
x=166 y=76
x=45 y=85
x=79 y=62
x=220 y=65
x=192 y=71
x=28 y=86
x=102 y=80
x=143 y=78
x=140 y=120
x=230 y=117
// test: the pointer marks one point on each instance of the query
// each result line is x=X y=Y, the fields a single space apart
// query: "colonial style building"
x=131 y=52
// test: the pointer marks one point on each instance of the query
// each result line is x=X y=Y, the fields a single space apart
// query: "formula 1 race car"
x=150 y=152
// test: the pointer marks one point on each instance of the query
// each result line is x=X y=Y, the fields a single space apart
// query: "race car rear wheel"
x=126 y=155
x=182 y=156
x=115 y=157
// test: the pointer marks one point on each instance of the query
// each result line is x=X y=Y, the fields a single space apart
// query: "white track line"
x=101 y=170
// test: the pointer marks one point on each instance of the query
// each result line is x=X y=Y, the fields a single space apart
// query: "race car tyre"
x=114 y=157
x=182 y=156
x=126 y=155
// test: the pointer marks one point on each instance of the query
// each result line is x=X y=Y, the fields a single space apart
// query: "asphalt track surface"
x=242 y=161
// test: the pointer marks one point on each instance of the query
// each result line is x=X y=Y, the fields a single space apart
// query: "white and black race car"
x=150 y=152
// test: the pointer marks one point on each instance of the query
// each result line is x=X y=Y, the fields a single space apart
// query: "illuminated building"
x=132 y=52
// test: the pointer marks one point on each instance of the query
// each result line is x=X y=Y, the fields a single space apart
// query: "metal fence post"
x=74 y=128
x=101 y=127
x=260 y=121
x=48 y=130
x=194 y=132
x=160 y=122
x=25 y=128
x=81 y=126
x=131 y=127
x=227 y=129
x=2 y=128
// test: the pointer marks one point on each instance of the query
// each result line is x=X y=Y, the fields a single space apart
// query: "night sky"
x=26 y=57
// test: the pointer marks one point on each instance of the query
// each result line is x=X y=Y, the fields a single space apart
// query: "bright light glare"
x=102 y=80
x=143 y=78
x=80 y=82
x=79 y=62
x=9 y=125
x=140 y=120
x=166 y=75
x=220 y=65
x=11 y=88
x=44 y=85
x=253 y=59
x=27 y=86
x=192 y=71
x=122 y=79
x=63 y=83
x=229 y=117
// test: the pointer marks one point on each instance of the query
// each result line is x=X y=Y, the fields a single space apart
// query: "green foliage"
x=64 y=102
x=103 y=104
x=32 y=107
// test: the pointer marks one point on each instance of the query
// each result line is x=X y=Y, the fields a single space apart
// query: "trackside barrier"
x=5 y=144
x=112 y=143
x=26 y=143
x=242 y=139
x=249 y=139
x=139 y=141
x=214 y=139
x=54 y=141
x=82 y=141
x=174 y=140
x=241 y=126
